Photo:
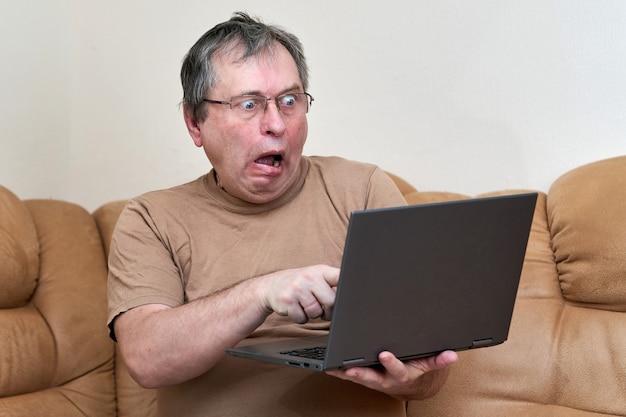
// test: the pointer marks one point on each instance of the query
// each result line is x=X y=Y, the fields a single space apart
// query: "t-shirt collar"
x=237 y=205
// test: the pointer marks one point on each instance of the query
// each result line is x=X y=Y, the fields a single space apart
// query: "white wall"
x=452 y=95
x=35 y=90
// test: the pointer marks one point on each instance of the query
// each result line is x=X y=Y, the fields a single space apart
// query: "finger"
x=313 y=310
x=392 y=364
x=331 y=275
x=446 y=358
x=433 y=363
x=328 y=312
x=321 y=307
x=324 y=295
x=368 y=377
x=311 y=299
x=297 y=314
x=325 y=300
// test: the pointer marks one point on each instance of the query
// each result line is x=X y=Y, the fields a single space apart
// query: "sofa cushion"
x=19 y=252
x=586 y=212
x=55 y=356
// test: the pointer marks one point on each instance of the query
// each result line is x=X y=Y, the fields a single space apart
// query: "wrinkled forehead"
x=232 y=62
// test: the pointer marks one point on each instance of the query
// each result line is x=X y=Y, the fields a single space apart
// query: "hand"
x=302 y=294
x=415 y=379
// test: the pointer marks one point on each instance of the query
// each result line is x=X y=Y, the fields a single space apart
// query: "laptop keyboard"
x=317 y=352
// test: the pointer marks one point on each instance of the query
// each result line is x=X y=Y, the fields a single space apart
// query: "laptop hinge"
x=481 y=343
x=353 y=361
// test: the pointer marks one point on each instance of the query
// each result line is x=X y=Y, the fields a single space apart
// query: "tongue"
x=268 y=160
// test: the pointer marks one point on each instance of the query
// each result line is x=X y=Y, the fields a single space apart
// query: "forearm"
x=163 y=346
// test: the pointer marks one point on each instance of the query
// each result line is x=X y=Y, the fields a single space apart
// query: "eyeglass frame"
x=309 y=100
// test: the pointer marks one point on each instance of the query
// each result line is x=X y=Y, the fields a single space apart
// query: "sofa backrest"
x=566 y=352
x=55 y=358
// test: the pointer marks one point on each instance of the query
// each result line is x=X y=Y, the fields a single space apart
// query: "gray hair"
x=198 y=75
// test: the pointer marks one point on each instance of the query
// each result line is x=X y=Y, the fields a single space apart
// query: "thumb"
x=439 y=361
x=331 y=275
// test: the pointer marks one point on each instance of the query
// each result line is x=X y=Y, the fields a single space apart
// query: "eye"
x=288 y=100
x=247 y=103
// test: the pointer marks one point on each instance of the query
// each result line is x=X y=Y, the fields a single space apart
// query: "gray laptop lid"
x=418 y=280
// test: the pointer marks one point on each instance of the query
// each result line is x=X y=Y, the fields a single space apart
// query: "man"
x=250 y=250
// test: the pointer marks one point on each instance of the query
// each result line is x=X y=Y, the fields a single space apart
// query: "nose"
x=272 y=122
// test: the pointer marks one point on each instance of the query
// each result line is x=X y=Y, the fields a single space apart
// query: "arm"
x=163 y=346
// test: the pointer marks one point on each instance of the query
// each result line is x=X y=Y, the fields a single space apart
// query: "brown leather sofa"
x=566 y=353
x=56 y=358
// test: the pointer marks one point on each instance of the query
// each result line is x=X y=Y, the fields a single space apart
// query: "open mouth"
x=270 y=160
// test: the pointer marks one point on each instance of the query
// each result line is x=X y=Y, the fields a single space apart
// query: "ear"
x=193 y=125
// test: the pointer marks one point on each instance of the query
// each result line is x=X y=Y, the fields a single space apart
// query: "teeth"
x=276 y=163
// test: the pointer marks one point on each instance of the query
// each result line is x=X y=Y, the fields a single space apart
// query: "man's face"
x=256 y=159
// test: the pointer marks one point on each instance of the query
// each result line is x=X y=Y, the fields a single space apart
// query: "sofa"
x=56 y=358
x=565 y=355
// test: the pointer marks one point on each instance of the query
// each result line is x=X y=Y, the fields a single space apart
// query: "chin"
x=266 y=194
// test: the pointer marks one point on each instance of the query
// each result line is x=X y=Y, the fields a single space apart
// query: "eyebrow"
x=259 y=93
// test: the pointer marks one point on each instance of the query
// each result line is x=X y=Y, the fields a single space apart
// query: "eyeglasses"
x=249 y=105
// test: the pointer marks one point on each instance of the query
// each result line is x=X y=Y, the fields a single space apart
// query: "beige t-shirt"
x=177 y=245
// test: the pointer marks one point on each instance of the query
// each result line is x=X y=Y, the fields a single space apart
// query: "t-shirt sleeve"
x=383 y=192
x=142 y=269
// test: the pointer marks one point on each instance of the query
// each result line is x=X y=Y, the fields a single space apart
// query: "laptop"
x=418 y=280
